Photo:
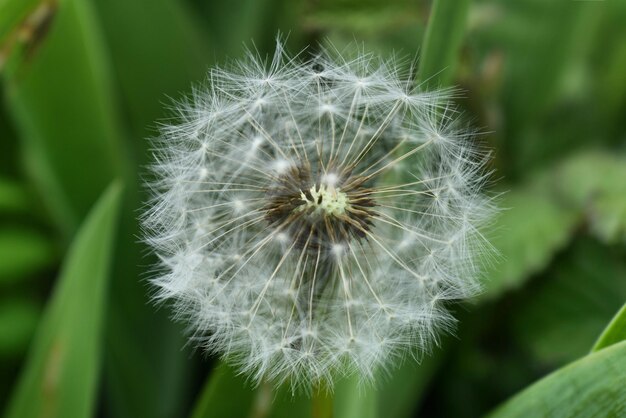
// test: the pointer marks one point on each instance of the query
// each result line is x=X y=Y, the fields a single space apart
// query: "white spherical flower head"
x=313 y=217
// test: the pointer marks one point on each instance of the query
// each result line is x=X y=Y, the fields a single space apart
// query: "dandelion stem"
x=322 y=402
x=263 y=401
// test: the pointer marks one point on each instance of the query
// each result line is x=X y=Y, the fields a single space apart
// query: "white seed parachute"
x=313 y=216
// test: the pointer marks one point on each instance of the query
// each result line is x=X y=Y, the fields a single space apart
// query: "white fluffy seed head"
x=311 y=218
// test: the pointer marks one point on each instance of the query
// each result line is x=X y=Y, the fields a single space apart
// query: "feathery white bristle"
x=329 y=288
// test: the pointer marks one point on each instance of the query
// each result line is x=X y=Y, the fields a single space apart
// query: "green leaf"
x=531 y=227
x=594 y=181
x=440 y=48
x=590 y=387
x=60 y=376
x=566 y=308
x=225 y=394
x=614 y=333
x=59 y=96
x=11 y=14
x=24 y=253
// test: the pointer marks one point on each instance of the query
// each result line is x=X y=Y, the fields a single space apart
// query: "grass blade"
x=614 y=332
x=440 y=48
x=590 y=387
x=61 y=373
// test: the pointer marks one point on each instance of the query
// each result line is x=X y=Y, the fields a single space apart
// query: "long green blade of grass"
x=590 y=387
x=614 y=332
x=444 y=33
x=60 y=376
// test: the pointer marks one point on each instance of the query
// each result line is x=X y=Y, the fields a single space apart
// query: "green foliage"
x=614 y=333
x=60 y=377
x=590 y=387
x=225 y=395
x=530 y=229
x=572 y=303
x=65 y=113
x=18 y=319
x=233 y=23
x=13 y=198
x=158 y=50
x=388 y=27
x=595 y=182
x=24 y=253
x=399 y=393
x=11 y=13
x=86 y=82
x=354 y=400
x=175 y=51
x=441 y=43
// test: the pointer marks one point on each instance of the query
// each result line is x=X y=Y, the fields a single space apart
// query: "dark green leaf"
x=530 y=229
x=565 y=310
x=590 y=387
x=440 y=48
x=61 y=373
x=614 y=333
x=594 y=181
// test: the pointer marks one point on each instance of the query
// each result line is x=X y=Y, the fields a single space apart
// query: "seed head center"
x=324 y=199
x=320 y=210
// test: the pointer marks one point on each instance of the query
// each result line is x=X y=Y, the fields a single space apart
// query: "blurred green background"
x=84 y=84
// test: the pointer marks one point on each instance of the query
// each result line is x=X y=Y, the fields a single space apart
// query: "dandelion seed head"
x=312 y=218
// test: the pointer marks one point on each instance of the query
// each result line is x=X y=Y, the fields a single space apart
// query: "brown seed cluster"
x=296 y=205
